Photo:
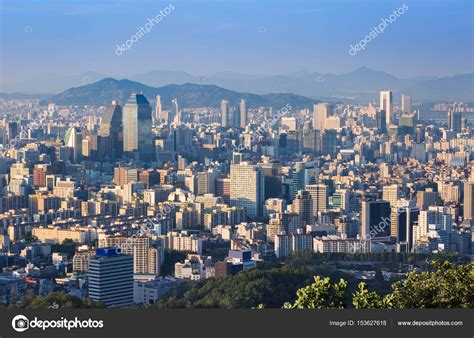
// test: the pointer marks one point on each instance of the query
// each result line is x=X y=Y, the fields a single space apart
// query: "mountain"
x=361 y=85
x=189 y=95
x=358 y=86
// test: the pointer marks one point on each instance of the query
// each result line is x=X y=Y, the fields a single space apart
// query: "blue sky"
x=433 y=37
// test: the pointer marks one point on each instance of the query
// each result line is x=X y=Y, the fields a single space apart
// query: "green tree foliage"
x=268 y=285
x=60 y=300
x=321 y=294
x=447 y=286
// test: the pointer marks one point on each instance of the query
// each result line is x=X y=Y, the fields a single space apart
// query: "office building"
x=137 y=123
x=225 y=118
x=247 y=188
x=111 y=278
x=243 y=113
x=376 y=221
x=386 y=104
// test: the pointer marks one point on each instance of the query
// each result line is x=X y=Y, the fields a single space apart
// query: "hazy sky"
x=259 y=37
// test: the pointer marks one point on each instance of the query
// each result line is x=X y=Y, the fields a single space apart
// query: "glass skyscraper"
x=137 y=123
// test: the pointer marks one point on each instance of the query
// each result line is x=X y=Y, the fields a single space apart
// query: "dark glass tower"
x=111 y=132
x=137 y=123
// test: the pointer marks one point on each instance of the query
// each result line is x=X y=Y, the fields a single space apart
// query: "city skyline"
x=348 y=188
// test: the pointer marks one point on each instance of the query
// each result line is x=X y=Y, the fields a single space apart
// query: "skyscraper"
x=454 y=121
x=137 y=123
x=174 y=111
x=469 y=201
x=247 y=188
x=406 y=104
x=111 y=132
x=225 y=120
x=381 y=120
x=158 y=109
x=303 y=206
x=319 y=196
x=111 y=277
x=386 y=102
x=321 y=111
x=243 y=113
x=376 y=221
x=73 y=140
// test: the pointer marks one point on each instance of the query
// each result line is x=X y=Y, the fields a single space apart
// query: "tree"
x=447 y=286
x=365 y=299
x=321 y=294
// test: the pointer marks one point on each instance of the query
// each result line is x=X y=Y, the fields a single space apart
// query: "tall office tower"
x=137 y=123
x=406 y=104
x=380 y=121
x=297 y=178
x=146 y=258
x=111 y=132
x=158 y=109
x=376 y=221
x=247 y=188
x=225 y=118
x=174 y=111
x=319 y=196
x=303 y=206
x=454 y=121
x=111 y=277
x=404 y=217
x=390 y=193
x=329 y=143
x=243 y=113
x=12 y=130
x=321 y=112
x=386 y=102
x=427 y=198
x=73 y=140
x=469 y=200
